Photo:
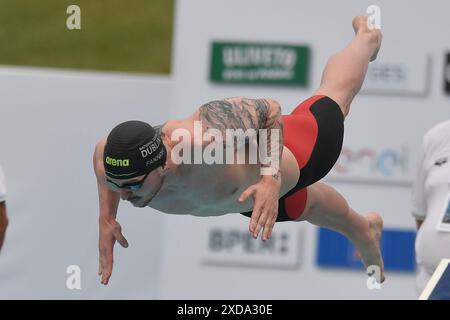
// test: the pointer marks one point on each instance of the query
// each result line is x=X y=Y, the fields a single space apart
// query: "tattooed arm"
x=243 y=113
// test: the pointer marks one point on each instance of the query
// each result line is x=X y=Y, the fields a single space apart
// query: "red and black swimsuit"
x=313 y=132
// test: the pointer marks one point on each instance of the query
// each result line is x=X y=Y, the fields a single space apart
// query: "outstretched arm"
x=243 y=113
x=110 y=230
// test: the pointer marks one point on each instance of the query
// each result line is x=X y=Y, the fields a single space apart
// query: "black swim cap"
x=132 y=149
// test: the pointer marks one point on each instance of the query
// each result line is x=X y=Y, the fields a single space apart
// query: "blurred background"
x=63 y=89
x=115 y=36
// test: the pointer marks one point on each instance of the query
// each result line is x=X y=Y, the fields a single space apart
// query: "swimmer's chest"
x=207 y=189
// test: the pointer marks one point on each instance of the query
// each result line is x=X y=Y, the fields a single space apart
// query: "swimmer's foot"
x=368 y=243
x=361 y=27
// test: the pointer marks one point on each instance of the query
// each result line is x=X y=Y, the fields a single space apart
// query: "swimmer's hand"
x=265 y=205
x=110 y=232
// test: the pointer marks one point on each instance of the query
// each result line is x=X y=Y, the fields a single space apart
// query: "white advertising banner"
x=227 y=244
x=374 y=164
x=399 y=72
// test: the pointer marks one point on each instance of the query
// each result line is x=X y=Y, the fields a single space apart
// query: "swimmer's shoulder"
x=100 y=148
x=167 y=129
x=98 y=157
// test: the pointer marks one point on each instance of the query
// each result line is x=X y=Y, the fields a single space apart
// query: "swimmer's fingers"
x=255 y=219
x=268 y=227
x=106 y=263
x=247 y=193
x=270 y=223
x=117 y=233
x=264 y=217
x=108 y=233
x=259 y=225
x=251 y=191
x=267 y=200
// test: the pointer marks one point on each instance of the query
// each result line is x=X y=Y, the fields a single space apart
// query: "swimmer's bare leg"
x=345 y=71
x=325 y=207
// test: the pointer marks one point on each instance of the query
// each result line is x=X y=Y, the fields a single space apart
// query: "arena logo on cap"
x=118 y=162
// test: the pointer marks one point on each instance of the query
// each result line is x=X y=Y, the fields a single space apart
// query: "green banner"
x=259 y=63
